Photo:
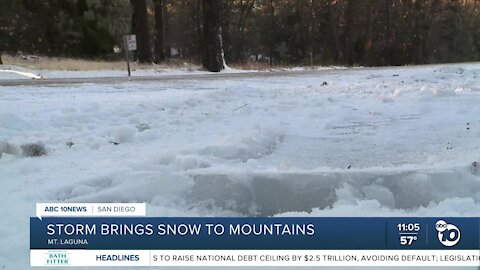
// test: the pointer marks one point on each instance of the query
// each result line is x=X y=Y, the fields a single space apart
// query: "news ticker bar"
x=158 y=233
x=277 y=258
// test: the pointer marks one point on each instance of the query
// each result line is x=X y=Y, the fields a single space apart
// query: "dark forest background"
x=280 y=32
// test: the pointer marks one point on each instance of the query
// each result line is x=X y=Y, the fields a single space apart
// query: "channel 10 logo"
x=448 y=234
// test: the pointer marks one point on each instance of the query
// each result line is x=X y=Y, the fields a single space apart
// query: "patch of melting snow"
x=21 y=73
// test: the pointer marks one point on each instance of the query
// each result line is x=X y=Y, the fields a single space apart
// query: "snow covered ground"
x=363 y=142
x=10 y=72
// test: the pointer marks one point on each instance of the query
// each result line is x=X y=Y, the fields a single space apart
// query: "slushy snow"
x=368 y=142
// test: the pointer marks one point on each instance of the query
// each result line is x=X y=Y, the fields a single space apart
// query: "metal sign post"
x=129 y=44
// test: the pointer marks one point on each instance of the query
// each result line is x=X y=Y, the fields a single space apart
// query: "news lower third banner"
x=161 y=241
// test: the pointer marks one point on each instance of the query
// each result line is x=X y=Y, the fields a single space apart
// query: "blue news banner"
x=456 y=239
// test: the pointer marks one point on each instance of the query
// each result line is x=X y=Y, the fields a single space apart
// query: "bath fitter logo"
x=57 y=257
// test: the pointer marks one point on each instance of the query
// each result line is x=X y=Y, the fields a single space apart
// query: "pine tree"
x=159 y=52
x=140 y=29
x=213 y=58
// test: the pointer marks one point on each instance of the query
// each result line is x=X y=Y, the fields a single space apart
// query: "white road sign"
x=131 y=42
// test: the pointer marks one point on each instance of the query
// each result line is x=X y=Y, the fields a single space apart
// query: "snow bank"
x=396 y=190
x=363 y=142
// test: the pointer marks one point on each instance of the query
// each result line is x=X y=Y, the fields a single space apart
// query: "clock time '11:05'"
x=408 y=227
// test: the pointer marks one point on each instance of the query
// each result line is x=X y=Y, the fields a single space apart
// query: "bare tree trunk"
x=336 y=42
x=349 y=40
x=245 y=11
x=140 y=29
x=159 y=52
x=213 y=58
x=299 y=39
x=272 y=21
x=227 y=37
x=1 y=62
x=388 y=35
x=198 y=31
x=312 y=30
x=166 y=30
x=368 y=54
